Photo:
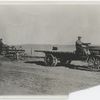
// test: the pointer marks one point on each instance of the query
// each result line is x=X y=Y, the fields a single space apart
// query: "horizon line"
x=47 y=44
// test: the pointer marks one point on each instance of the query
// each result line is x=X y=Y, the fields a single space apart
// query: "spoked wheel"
x=50 y=60
x=94 y=63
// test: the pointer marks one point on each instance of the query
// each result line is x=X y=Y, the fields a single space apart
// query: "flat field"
x=34 y=78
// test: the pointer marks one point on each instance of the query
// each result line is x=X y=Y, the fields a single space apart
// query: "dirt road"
x=18 y=78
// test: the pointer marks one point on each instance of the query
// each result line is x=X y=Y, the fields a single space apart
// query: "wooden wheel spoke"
x=94 y=63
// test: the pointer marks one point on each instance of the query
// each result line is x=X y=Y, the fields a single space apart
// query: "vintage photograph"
x=49 y=48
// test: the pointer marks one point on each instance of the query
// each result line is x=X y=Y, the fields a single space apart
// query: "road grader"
x=54 y=56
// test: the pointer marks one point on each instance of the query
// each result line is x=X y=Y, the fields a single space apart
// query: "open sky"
x=49 y=23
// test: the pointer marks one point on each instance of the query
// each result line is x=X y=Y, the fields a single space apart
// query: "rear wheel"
x=50 y=60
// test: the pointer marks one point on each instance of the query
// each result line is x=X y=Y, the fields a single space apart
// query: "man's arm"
x=86 y=44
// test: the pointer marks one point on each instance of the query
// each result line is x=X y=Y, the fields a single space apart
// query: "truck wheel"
x=94 y=63
x=50 y=60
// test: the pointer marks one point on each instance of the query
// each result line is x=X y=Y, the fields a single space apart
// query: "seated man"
x=81 y=48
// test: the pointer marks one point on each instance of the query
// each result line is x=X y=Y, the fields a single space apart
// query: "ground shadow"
x=78 y=67
x=42 y=63
x=71 y=66
x=36 y=62
x=84 y=68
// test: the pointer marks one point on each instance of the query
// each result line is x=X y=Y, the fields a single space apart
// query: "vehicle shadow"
x=84 y=68
x=78 y=67
x=70 y=66
x=36 y=62
x=42 y=63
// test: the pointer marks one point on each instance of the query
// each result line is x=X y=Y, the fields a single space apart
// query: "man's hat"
x=79 y=37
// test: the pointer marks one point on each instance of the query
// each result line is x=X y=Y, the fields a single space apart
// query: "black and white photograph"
x=49 y=48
